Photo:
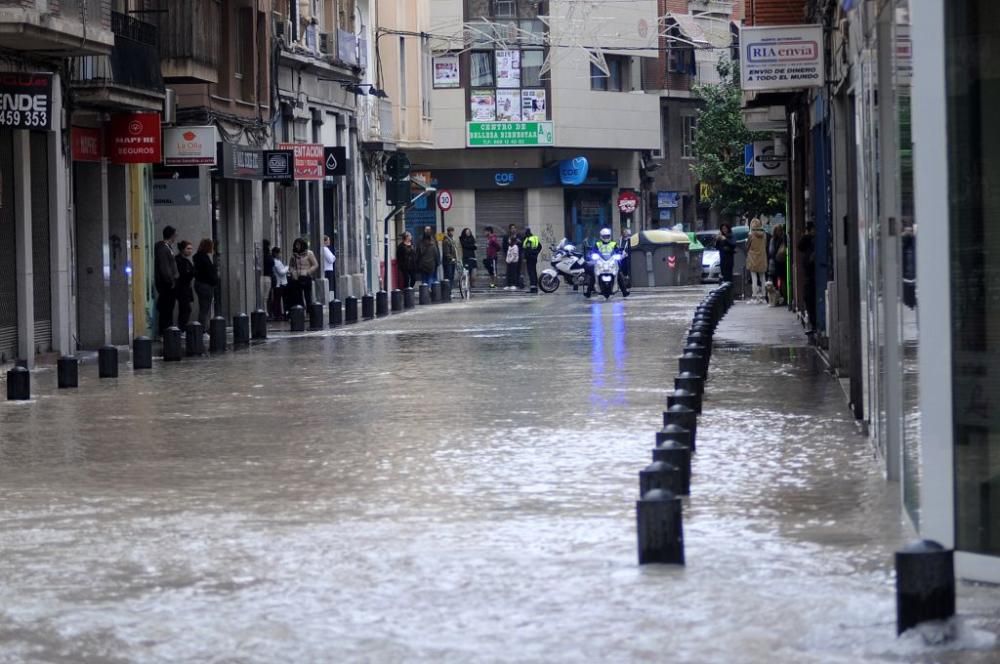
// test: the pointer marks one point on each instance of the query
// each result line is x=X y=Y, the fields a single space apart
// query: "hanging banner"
x=26 y=101
x=508 y=106
x=483 y=105
x=134 y=138
x=189 y=146
x=782 y=58
x=335 y=161
x=508 y=69
x=533 y=105
x=86 y=144
x=309 y=160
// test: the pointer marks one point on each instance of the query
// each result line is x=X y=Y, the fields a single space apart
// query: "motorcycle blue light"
x=595 y=256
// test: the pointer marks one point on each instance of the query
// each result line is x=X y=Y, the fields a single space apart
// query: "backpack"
x=513 y=255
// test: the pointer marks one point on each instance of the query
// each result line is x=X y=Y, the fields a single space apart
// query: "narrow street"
x=453 y=484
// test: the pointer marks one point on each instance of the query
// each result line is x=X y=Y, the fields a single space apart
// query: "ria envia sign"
x=782 y=58
x=26 y=101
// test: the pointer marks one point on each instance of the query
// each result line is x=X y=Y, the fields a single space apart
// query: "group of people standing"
x=290 y=284
x=178 y=275
x=766 y=256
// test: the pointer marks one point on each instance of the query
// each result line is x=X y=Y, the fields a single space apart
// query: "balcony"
x=129 y=77
x=189 y=34
x=376 y=125
x=340 y=49
x=56 y=30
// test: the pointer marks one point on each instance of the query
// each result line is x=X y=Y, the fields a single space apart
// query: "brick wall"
x=775 y=12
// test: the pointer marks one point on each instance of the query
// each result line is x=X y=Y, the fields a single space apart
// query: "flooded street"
x=454 y=484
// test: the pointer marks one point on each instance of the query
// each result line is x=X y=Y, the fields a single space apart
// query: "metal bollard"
x=925 y=584
x=659 y=524
x=194 y=338
x=396 y=300
x=684 y=397
x=408 y=298
x=107 y=362
x=297 y=316
x=692 y=363
x=445 y=291
x=675 y=433
x=381 y=304
x=172 y=344
x=142 y=353
x=425 y=294
x=336 y=313
x=258 y=324
x=351 y=310
x=217 y=335
x=699 y=338
x=659 y=475
x=690 y=381
x=241 y=330
x=316 y=316
x=18 y=384
x=68 y=372
x=699 y=349
x=435 y=293
x=679 y=456
x=684 y=417
x=368 y=306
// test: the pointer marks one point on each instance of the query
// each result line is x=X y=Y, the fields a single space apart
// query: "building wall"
x=411 y=116
x=775 y=12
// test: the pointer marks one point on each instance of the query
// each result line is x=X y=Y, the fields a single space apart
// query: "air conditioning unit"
x=327 y=44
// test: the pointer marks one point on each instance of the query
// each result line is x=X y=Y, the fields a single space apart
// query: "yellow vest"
x=531 y=242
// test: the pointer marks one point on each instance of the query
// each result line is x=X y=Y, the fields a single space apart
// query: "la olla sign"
x=628 y=202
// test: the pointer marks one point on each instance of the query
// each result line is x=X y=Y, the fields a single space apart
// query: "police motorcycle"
x=605 y=259
x=567 y=265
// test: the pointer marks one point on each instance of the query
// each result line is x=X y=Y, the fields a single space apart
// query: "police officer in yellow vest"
x=605 y=247
x=531 y=246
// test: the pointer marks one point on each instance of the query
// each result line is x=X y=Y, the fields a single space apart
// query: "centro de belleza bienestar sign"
x=509 y=134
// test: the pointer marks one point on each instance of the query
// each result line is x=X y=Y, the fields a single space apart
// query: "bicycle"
x=462 y=279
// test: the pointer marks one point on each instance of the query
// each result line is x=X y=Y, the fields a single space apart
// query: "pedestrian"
x=428 y=257
x=807 y=250
x=532 y=246
x=182 y=287
x=778 y=256
x=406 y=261
x=279 y=300
x=267 y=275
x=468 y=242
x=329 y=261
x=757 y=259
x=165 y=279
x=206 y=278
x=449 y=254
x=625 y=265
x=302 y=268
x=492 y=251
x=726 y=246
x=512 y=257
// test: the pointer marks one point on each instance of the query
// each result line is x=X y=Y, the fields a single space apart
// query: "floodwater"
x=451 y=485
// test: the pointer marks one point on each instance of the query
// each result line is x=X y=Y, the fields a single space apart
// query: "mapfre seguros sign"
x=782 y=58
x=26 y=101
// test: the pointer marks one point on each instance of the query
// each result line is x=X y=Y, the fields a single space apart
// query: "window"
x=481 y=69
x=531 y=68
x=690 y=128
x=243 y=60
x=615 y=79
x=680 y=60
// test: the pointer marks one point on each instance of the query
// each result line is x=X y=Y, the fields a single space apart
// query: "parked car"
x=710 y=271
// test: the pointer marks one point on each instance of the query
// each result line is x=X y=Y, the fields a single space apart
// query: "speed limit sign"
x=444 y=200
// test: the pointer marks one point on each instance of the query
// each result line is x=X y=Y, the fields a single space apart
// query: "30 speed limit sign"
x=444 y=200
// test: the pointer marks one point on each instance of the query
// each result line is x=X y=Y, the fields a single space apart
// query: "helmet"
x=606 y=234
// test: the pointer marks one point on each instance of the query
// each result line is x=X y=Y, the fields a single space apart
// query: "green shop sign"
x=503 y=134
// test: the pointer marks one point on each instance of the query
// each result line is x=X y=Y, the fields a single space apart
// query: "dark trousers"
x=302 y=290
x=810 y=295
x=449 y=272
x=183 y=312
x=532 y=264
x=513 y=270
x=205 y=294
x=331 y=281
x=165 y=301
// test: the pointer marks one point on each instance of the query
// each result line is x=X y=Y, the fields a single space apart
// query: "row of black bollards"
x=659 y=510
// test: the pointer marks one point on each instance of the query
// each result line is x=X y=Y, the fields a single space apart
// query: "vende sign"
x=134 y=138
x=782 y=58
x=190 y=146
x=86 y=144
x=26 y=101
x=310 y=161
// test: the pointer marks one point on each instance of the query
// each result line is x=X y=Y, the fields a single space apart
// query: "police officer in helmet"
x=606 y=247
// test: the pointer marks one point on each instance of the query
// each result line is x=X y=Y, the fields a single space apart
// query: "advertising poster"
x=533 y=105
x=508 y=106
x=26 y=101
x=788 y=57
x=508 y=69
x=188 y=146
x=446 y=71
x=483 y=104
x=135 y=138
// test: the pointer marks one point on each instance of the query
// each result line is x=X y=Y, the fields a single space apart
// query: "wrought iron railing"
x=134 y=61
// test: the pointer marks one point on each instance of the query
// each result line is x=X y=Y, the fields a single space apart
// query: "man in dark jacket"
x=428 y=257
x=165 y=279
x=807 y=251
x=532 y=246
x=449 y=254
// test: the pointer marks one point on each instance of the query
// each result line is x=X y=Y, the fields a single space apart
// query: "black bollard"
x=68 y=372
x=445 y=291
x=435 y=293
x=316 y=316
x=241 y=330
x=18 y=384
x=297 y=316
x=684 y=397
x=172 y=344
x=381 y=304
x=258 y=324
x=659 y=522
x=675 y=433
x=396 y=300
x=692 y=363
x=679 y=456
x=690 y=381
x=368 y=306
x=351 y=310
x=925 y=584
x=217 y=335
x=142 y=353
x=194 y=338
x=699 y=338
x=660 y=475
x=336 y=313
x=699 y=349
x=684 y=417
x=408 y=298
x=107 y=362
x=425 y=294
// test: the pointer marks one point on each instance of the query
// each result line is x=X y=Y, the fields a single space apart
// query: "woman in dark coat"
x=182 y=287
x=726 y=246
x=468 y=242
x=206 y=278
x=406 y=261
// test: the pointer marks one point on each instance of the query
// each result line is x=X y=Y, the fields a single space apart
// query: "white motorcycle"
x=567 y=265
x=606 y=270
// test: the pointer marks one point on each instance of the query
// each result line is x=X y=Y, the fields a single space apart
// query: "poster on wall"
x=446 y=71
x=508 y=106
x=483 y=105
x=508 y=69
x=533 y=105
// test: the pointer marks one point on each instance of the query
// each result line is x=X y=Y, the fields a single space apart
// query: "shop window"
x=689 y=129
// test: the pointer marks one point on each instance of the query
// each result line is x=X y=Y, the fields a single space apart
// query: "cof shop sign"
x=573 y=172
x=310 y=160
x=26 y=101
x=782 y=58
x=134 y=138
x=628 y=202
x=189 y=146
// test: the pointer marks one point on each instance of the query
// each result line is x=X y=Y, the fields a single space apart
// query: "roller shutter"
x=40 y=241
x=499 y=209
x=8 y=260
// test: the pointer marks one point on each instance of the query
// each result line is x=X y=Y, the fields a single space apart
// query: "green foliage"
x=718 y=149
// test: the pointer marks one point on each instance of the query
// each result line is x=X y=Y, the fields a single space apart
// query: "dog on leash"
x=773 y=296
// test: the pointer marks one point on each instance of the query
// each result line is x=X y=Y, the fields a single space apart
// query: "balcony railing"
x=377 y=125
x=134 y=61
